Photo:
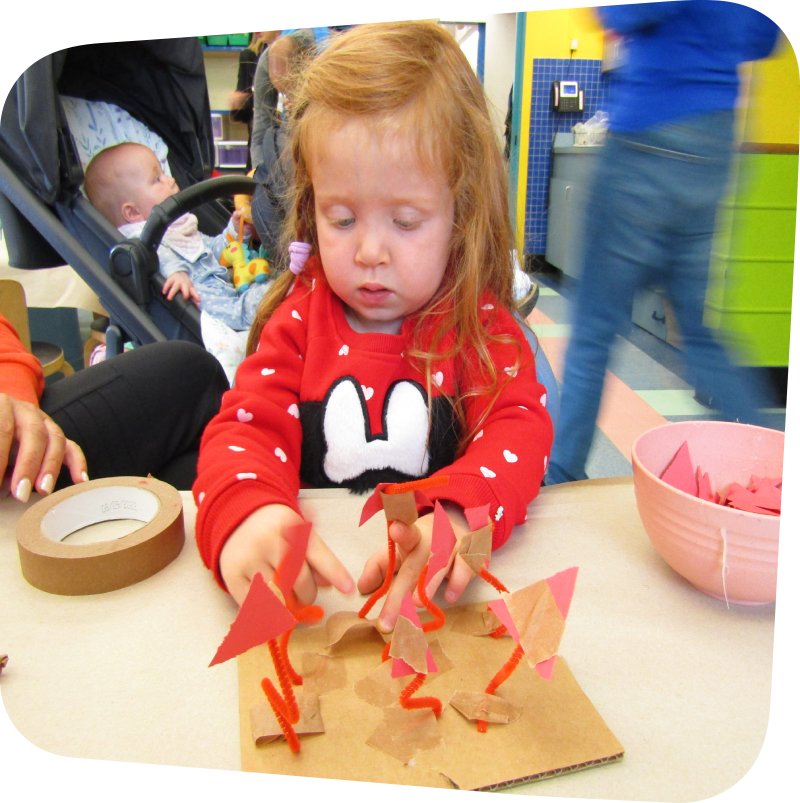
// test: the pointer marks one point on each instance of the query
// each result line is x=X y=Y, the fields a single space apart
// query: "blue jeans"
x=649 y=220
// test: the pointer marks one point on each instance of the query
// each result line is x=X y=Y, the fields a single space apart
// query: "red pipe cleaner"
x=419 y=702
x=387 y=581
x=292 y=711
x=492 y=580
x=279 y=708
x=501 y=677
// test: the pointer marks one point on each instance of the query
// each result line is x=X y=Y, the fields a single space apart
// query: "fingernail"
x=47 y=483
x=84 y=476
x=384 y=625
x=450 y=596
x=23 y=491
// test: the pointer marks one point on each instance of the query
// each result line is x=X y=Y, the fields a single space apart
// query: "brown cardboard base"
x=559 y=730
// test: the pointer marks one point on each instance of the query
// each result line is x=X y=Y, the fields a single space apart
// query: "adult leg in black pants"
x=142 y=412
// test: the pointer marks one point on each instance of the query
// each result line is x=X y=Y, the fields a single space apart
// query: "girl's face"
x=383 y=223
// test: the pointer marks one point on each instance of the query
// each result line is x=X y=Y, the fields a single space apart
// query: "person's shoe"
x=526 y=292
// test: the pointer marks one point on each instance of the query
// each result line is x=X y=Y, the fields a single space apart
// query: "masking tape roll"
x=75 y=569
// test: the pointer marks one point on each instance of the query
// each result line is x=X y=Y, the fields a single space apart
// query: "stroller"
x=48 y=222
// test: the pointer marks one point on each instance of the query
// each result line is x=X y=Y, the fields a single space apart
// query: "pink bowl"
x=693 y=535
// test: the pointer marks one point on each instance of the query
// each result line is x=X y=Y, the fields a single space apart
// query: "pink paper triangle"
x=704 y=490
x=261 y=618
x=443 y=541
x=291 y=563
x=545 y=668
x=409 y=610
x=477 y=517
x=679 y=473
x=500 y=610
x=400 y=668
x=562 y=586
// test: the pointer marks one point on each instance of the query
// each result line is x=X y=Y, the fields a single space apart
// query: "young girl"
x=392 y=353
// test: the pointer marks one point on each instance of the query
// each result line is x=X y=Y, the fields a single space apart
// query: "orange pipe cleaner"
x=419 y=702
x=385 y=653
x=292 y=711
x=492 y=580
x=415 y=485
x=297 y=679
x=279 y=707
x=501 y=677
x=501 y=631
x=438 y=615
x=387 y=581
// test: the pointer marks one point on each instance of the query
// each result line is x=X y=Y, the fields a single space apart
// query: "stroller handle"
x=170 y=210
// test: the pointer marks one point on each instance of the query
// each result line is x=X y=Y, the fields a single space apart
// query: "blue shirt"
x=680 y=58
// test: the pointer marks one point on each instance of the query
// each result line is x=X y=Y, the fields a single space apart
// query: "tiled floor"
x=645 y=384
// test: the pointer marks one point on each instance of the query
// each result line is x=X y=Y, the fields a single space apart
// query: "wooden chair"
x=14 y=308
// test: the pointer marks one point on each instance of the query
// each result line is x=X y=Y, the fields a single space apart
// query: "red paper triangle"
x=562 y=586
x=500 y=610
x=400 y=668
x=289 y=568
x=443 y=540
x=545 y=668
x=373 y=504
x=704 y=490
x=477 y=517
x=679 y=473
x=261 y=618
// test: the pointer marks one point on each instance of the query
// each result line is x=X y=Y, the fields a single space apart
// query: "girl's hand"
x=35 y=446
x=413 y=545
x=257 y=545
x=247 y=228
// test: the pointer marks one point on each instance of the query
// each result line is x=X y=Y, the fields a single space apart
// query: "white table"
x=683 y=682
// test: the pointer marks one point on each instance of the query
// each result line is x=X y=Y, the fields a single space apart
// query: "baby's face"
x=148 y=186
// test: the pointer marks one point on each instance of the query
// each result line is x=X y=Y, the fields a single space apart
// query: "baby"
x=124 y=183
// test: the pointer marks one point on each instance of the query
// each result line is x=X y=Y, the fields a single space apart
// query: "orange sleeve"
x=20 y=372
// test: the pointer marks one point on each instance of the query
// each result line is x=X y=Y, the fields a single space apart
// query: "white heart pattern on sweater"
x=487 y=472
x=344 y=350
x=246 y=476
x=280 y=454
x=510 y=456
x=294 y=410
x=368 y=392
x=267 y=371
x=296 y=314
x=243 y=415
x=236 y=448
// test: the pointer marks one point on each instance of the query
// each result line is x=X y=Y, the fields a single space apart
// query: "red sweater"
x=325 y=406
x=20 y=372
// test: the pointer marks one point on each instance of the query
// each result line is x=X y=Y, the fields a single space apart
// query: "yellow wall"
x=773 y=99
x=548 y=35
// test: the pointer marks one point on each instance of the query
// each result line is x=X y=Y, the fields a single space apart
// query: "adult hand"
x=257 y=545
x=36 y=447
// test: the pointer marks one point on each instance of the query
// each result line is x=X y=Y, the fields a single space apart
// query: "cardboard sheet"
x=558 y=730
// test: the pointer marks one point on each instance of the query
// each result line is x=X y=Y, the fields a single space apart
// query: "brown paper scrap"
x=443 y=663
x=409 y=644
x=538 y=620
x=400 y=507
x=473 y=622
x=486 y=707
x=379 y=688
x=322 y=674
x=403 y=734
x=265 y=726
x=341 y=622
x=475 y=548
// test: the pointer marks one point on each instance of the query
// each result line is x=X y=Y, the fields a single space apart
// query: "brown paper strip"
x=321 y=673
x=265 y=726
x=475 y=548
x=486 y=707
x=379 y=688
x=403 y=734
x=342 y=622
x=538 y=621
x=409 y=644
x=400 y=507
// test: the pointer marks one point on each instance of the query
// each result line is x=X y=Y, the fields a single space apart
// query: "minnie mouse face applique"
x=340 y=449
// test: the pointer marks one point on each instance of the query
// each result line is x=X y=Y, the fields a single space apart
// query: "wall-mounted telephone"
x=567 y=96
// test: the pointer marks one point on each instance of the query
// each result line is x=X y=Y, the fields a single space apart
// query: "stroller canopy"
x=162 y=83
